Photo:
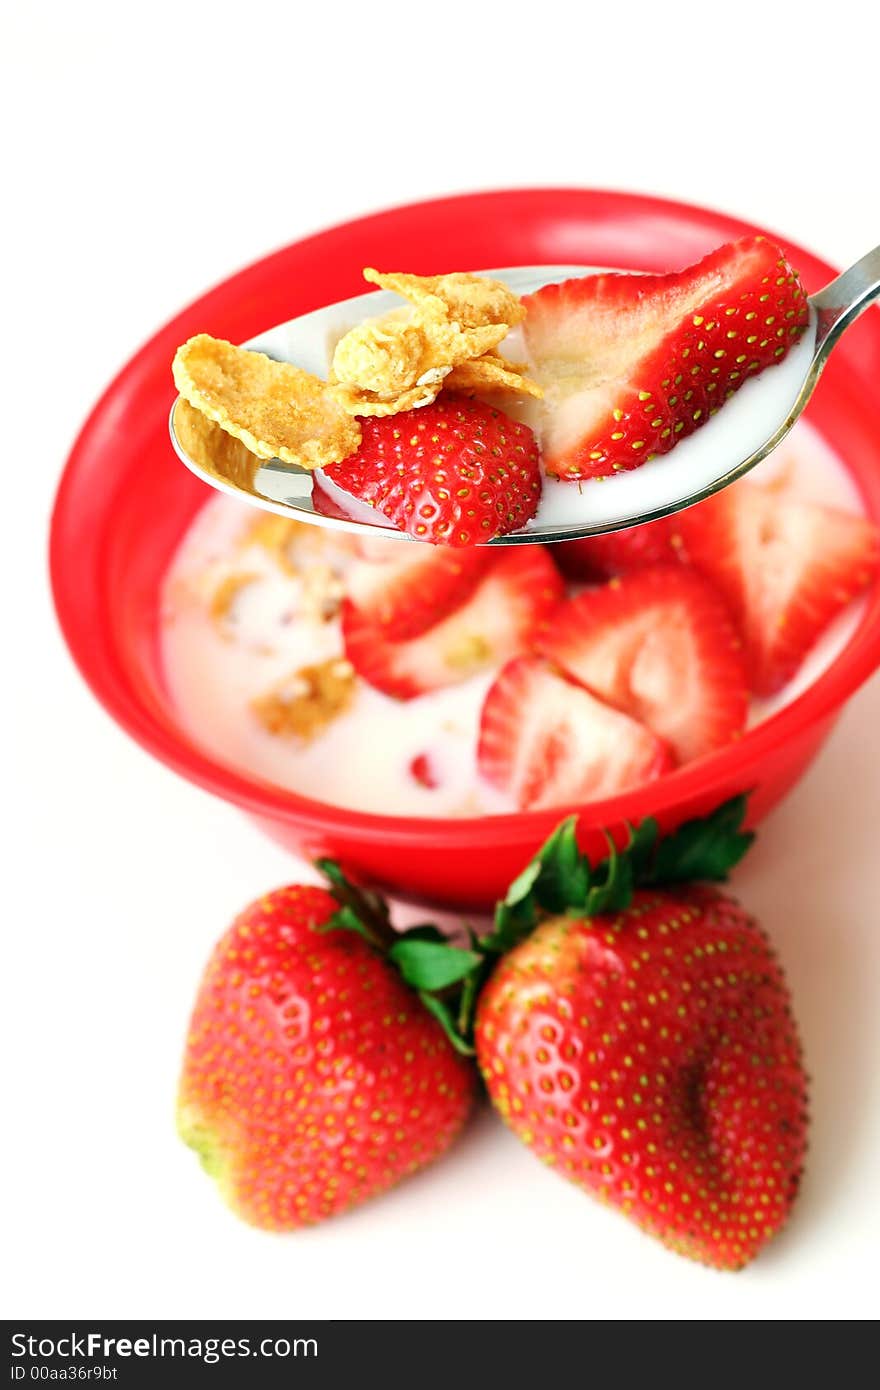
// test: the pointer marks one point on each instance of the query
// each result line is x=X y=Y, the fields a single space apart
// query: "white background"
x=150 y=157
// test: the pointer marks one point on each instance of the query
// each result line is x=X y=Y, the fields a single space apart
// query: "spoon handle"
x=840 y=303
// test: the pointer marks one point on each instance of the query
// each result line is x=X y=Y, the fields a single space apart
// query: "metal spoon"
x=757 y=419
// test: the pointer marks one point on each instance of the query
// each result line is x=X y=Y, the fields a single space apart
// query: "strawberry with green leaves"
x=638 y=1036
x=313 y=1077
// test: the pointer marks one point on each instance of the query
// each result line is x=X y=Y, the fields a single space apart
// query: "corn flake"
x=492 y=373
x=224 y=598
x=390 y=364
x=212 y=448
x=469 y=300
x=304 y=703
x=275 y=409
x=275 y=535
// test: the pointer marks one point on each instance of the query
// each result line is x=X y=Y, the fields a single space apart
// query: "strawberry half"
x=631 y=364
x=504 y=612
x=415 y=586
x=786 y=568
x=659 y=645
x=618 y=552
x=547 y=742
x=455 y=473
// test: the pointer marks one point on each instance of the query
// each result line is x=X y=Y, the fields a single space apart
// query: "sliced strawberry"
x=546 y=741
x=423 y=771
x=414 y=586
x=659 y=645
x=631 y=364
x=458 y=472
x=508 y=608
x=618 y=552
x=786 y=567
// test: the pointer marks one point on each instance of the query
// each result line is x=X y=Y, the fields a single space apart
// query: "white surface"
x=146 y=162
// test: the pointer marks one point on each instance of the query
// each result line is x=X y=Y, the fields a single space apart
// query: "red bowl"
x=125 y=501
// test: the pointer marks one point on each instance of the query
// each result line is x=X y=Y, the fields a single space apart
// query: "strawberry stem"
x=360 y=909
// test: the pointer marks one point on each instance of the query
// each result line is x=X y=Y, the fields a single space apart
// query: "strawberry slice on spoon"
x=457 y=472
x=631 y=364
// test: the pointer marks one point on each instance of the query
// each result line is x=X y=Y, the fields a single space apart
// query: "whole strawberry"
x=648 y=1052
x=313 y=1077
x=455 y=473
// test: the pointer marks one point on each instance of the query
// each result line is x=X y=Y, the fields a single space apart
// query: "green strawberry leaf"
x=363 y=910
x=425 y=931
x=707 y=848
x=640 y=850
x=557 y=877
x=470 y=993
x=614 y=890
x=564 y=876
x=561 y=879
x=447 y=1020
x=523 y=884
x=516 y=915
x=346 y=919
x=432 y=965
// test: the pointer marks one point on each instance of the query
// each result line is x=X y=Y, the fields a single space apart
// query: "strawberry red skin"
x=619 y=552
x=658 y=644
x=415 y=587
x=509 y=607
x=746 y=308
x=422 y=770
x=651 y=1058
x=785 y=567
x=455 y=473
x=313 y=1078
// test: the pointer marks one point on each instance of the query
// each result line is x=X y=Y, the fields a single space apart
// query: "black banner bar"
x=141 y=1353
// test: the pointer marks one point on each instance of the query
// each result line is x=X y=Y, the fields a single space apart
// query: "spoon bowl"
x=748 y=428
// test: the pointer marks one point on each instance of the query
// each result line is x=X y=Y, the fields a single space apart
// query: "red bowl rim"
x=854 y=664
